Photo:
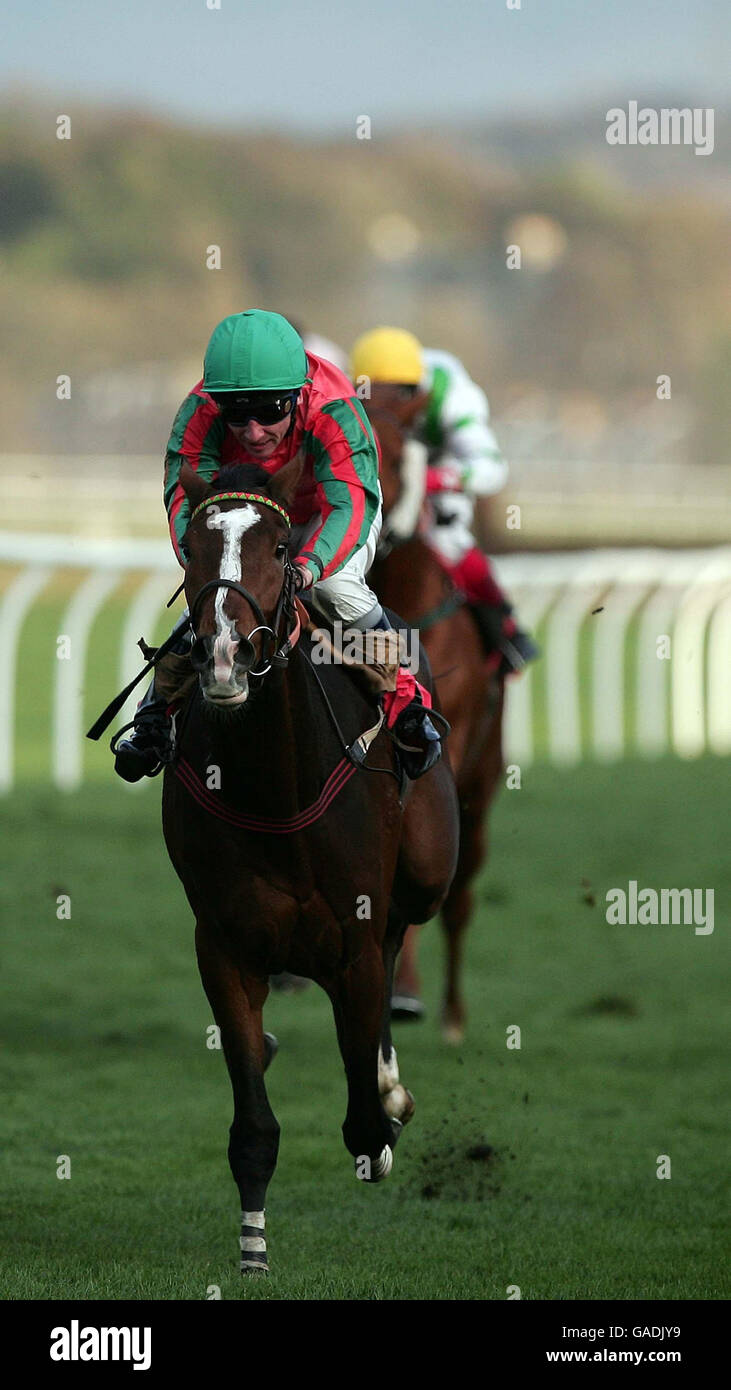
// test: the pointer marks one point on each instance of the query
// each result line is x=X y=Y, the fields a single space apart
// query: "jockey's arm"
x=196 y=438
x=345 y=469
x=470 y=460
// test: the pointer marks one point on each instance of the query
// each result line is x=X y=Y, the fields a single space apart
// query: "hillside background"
x=626 y=275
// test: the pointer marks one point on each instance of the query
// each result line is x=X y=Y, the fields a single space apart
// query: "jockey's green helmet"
x=254 y=351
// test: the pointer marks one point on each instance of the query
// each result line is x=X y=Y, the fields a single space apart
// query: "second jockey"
x=463 y=462
x=262 y=400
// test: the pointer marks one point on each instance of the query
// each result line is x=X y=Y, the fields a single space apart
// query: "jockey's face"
x=404 y=402
x=261 y=440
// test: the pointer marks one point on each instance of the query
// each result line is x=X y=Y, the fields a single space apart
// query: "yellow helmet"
x=388 y=354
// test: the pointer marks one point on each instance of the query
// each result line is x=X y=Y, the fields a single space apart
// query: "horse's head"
x=239 y=579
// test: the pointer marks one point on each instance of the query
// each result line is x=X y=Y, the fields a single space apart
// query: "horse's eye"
x=281 y=549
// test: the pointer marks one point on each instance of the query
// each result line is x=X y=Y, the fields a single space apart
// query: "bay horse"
x=292 y=856
x=407 y=576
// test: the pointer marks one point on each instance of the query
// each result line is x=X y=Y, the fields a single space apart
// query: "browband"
x=243 y=497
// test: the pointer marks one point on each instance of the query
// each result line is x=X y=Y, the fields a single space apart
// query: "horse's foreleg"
x=359 y=1000
x=397 y=1101
x=237 y=1001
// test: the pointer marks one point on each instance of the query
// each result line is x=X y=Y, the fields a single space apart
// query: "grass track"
x=622 y=1041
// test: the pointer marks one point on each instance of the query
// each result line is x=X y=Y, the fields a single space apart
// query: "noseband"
x=246 y=655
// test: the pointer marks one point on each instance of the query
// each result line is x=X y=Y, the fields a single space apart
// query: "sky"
x=313 y=66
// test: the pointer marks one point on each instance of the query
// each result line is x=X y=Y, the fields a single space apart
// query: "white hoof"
x=374 y=1169
x=383 y=1165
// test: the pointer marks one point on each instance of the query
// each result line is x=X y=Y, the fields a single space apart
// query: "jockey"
x=263 y=399
x=463 y=463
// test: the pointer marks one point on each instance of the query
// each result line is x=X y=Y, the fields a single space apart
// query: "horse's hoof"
x=452 y=1033
x=399 y=1104
x=407 y=1008
x=378 y=1168
x=396 y=1128
x=254 y=1269
x=271 y=1048
x=383 y=1165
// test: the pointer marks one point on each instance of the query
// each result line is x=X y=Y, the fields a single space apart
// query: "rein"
x=353 y=759
x=354 y=754
x=287 y=605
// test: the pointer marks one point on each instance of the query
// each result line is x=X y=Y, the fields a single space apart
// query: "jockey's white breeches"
x=346 y=595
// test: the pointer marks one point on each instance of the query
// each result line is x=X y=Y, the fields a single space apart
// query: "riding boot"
x=151 y=745
x=408 y=718
x=418 y=741
x=499 y=632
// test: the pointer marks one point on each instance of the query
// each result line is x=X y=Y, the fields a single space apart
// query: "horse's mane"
x=242 y=477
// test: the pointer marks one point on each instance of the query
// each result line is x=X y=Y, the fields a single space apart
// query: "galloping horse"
x=408 y=577
x=293 y=857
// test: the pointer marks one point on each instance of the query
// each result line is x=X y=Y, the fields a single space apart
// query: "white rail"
x=683 y=596
x=649 y=672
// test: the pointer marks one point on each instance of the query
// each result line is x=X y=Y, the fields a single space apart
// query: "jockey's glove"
x=303 y=578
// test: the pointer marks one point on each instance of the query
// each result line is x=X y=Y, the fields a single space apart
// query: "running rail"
x=649 y=673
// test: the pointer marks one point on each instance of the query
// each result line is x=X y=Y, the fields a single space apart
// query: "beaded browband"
x=242 y=497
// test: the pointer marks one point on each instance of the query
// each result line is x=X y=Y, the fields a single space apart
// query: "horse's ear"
x=285 y=481
x=194 y=487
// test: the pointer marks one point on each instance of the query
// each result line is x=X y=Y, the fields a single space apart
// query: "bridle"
x=355 y=752
x=277 y=655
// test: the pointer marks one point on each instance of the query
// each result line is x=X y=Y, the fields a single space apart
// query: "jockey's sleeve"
x=460 y=422
x=345 y=468
x=195 y=438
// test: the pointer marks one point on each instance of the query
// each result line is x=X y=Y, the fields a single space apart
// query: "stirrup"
x=149 y=750
x=418 y=758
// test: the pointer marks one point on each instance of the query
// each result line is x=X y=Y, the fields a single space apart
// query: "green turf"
x=106 y=1061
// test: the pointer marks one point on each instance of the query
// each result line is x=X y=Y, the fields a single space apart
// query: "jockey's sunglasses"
x=266 y=410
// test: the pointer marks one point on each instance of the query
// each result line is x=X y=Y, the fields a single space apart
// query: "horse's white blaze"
x=224 y=651
x=233 y=526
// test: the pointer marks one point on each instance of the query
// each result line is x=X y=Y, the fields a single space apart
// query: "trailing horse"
x=408 y=577
x=294 y=856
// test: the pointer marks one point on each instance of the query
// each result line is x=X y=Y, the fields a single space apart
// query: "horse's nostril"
x=201 y=653
x=245 y=655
